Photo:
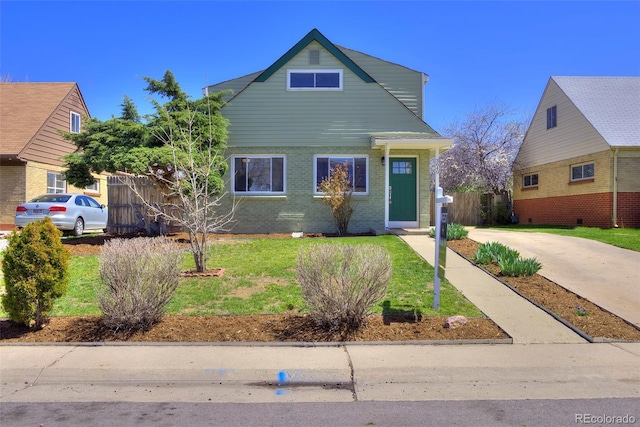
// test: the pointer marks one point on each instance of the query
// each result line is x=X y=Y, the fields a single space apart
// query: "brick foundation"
x=629 y=210
x=589 y=210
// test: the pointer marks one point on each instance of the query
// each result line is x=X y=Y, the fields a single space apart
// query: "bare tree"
x=485 y=145
x=195 y=189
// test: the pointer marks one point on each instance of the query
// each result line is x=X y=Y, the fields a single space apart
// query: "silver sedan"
x=68 y=212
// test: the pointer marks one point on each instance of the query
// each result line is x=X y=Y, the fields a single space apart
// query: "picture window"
x=357 y=171
x=257 y=175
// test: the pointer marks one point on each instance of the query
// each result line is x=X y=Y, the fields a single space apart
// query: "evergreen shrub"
x=36 y=273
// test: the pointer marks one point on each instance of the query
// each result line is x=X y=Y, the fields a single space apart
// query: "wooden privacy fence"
x=466 y=208
x=127 y=212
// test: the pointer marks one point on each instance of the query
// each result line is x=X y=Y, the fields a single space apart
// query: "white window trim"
x=321 y=89
x=259 y=193
x=317 y=193
x=530 y=185
x=71 y=116
x=94 y=188
x=55 y=188
x=582 y=165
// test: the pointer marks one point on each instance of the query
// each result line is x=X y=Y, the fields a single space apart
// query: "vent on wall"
x=314 y=57
x=579 y=221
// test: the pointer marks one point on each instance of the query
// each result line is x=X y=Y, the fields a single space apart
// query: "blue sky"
x=474 y=52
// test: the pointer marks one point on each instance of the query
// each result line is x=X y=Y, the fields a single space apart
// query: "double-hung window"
x=259 y=175
x=56 y=183
x=582 y=172
x=357 y=171
x=530 y=180
x=74 y=122
x=314 y=80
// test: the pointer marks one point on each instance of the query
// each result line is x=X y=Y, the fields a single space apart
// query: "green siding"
x=266 y=114
x=405 y=84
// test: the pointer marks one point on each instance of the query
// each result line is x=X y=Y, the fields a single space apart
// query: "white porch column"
x=386 y=186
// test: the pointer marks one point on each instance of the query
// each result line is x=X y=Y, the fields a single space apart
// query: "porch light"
x=382 y=160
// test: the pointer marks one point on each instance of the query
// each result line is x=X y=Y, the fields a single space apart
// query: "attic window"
x=314 y=57
x=74 y=122
x=314 y=79
x=552 y=117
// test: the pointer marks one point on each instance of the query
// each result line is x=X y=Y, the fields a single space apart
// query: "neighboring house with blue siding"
x=318 y=106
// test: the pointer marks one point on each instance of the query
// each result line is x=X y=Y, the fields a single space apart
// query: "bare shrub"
x=139 y=276
x=340 y=283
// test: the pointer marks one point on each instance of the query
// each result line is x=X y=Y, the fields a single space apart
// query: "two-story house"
x=318 y=106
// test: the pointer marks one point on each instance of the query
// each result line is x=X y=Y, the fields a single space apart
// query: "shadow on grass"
x=391 y=315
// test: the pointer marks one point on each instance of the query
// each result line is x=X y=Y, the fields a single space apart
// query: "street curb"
x=301 y=344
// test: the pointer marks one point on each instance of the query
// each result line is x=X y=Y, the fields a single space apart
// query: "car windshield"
x=51 y=198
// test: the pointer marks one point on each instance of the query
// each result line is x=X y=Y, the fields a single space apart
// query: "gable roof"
x=24 y=109
x=610 y=104
x=315 y=35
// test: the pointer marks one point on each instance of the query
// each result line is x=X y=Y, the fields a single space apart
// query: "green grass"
x=626 y=238
x=260 y=278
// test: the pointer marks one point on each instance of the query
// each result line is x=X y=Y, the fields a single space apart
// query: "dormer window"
x=314 y=79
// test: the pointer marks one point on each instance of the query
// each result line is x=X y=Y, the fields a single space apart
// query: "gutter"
x=615 y=187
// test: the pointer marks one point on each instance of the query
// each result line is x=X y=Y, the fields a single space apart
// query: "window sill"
x=259 y=196
x=533 y=187
x=357 y=196
x=582 y=181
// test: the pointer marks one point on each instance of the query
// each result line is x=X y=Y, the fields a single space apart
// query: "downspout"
x=615 y=187
x=386 y=185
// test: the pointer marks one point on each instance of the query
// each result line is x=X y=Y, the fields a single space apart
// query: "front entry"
x=403 y=206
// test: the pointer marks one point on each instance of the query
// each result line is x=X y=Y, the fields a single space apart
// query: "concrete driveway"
x=605 y=275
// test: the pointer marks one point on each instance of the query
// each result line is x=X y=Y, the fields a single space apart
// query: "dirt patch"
x=257 y=328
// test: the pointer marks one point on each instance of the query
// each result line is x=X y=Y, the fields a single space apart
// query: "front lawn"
x=626 y=238
x=260 y=278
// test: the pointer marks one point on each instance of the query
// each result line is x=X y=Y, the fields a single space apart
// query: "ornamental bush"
x=340 y=283
x=36 y=273
x=140 y=276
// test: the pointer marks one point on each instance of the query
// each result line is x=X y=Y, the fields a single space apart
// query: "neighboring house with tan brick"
x=318 y=106
x=579 y=163
x=31 y=118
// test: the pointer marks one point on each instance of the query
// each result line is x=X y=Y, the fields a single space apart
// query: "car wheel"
x=78 y=228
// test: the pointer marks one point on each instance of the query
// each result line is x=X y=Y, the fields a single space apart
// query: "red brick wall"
x=595 y=210
x=629 y=210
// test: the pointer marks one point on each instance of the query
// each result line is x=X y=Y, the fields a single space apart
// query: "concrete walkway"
x=523 y=321
x=604 y=274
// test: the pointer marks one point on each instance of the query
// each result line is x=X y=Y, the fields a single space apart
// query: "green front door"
x=402 y=191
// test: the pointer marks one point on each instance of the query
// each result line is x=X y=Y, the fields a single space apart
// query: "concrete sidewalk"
x=546 y=361
x=523 y=321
